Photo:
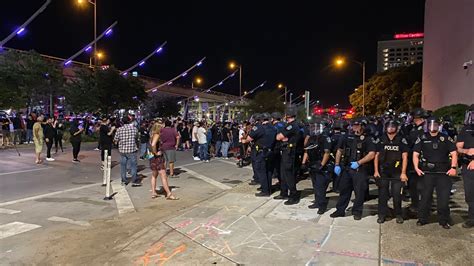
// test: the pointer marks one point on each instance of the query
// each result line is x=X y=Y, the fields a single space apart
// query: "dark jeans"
x=352 y=180
x=320 y=182
x=468 y=178
x=49 y=145
x=288 y=173
x=387 y=181
x=415 y=186
x=203 y=152
x=195 y=149
x=132 y=159
x=58 y=140
x=443 y=184
x=76 y=147
x=105 y=147
x=264 y=170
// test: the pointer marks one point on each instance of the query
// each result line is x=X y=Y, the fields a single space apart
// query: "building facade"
x=448 y=72
x=403 y=50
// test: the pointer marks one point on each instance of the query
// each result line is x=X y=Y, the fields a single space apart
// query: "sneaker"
x=196 y=158
x=399 y=219
x=141 y=158
x=206 y=161
x=136 y=185
x=96 y=149
x=76 y=161
x=50 y=159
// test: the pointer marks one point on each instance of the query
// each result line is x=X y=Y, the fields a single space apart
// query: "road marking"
x=67 y=220
x=26 y=171
x=8 y=211
x=206 y=179
x=122 y=199
x=47 y=195
x=233 y=163
x=16 y=228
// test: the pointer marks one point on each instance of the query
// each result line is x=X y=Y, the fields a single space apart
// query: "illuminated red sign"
x=409 y=35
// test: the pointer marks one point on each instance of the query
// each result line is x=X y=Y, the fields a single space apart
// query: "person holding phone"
x=75 y=139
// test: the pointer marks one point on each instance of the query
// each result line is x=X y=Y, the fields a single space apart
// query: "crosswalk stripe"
x=122 y=199
x=15 y=228
x=67 y=220
x=8 y=211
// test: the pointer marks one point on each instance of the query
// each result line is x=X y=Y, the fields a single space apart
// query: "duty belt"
x=288 y=145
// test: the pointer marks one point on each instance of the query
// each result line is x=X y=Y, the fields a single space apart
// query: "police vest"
x=315 y=149
x=390 y=149
x=355 y=148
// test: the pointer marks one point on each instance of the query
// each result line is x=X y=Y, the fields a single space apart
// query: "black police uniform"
x=435 y=162
x=264 y=138
x=390 y=168
x=336 y=136
x=255 y=178
x=353 y=147
x=316 y=147
x=415 y=182
x=288 y=161
x=279 y=126
x=467 y=136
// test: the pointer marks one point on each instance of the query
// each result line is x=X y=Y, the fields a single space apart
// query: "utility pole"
x=306 y=102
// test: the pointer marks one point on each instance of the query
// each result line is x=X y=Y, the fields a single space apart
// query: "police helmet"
x=339 y=124
x=276 y=115
x=419 y=113
x=469 y=117
x=360 y=121
x=265 y=116
x=392 y=123
x=433 y=123
x=257 y=117
x=291 y=111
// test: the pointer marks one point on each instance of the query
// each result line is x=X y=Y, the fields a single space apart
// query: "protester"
x=157 y=165
x=169 y=143
x=226 y=140
x=6 y=131
x=58 y=139
x=75 y=138
x=203 y=144
x=29 y=129
x=126 y=138
x=144 y=140
x=195 y=141
x=105 y=138
x=38 y=138
x=49 y=132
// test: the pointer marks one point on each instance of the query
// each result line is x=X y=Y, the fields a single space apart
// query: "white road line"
x=16 y=228
x=233 y=163
x=8 y=211
x=122 y=199
x=206 y=179
x=67 y=220
x=26 y=171
x=47 y=195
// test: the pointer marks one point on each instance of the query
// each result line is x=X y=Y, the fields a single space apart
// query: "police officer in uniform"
x=431 y=160
x=255 y=180
x=415 y=182
x=278 y=125
x=338 y=130
x=355 y=151
x=465 y=146
x=289 y=137
x=263 y=137
x=390 y=168
x=317 y=153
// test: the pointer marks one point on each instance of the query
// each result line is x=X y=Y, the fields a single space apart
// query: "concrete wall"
x=449 y=34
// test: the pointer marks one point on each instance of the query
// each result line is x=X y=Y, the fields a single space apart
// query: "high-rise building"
x=403 y=50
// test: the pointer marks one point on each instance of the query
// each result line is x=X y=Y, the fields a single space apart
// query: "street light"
x=281 y=86
x=99 y=55
x=197 y=81
x=232 y=66
x=94 y=3
x=340 y=61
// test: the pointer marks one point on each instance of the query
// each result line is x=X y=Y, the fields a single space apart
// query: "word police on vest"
x=391 y=148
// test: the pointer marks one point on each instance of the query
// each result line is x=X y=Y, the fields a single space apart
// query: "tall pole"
x=363 y=88
x=286 y=91
x=95 y=31
x=291 y=95
x=240 y=81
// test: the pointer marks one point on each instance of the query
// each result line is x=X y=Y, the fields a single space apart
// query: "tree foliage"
x=455 y=111
x=266 y=101
x=160 y=105
x=397 y=88
x=26 y=78
x=104 y=91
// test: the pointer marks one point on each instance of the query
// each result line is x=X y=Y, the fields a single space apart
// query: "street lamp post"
x=340 y=61
x=232 y=66
x=281 y=86
x=94 y=3
x=198 y=82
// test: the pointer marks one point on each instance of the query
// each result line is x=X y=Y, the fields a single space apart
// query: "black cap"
x=265 y=116
x=433 y=118
x=291 y=111
x=276 y=115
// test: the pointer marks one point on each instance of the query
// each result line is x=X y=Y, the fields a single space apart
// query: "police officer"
x=465 y=146
x=339 y=128
x=256 y=121
x=355 y=151
x=317 y=153
x=417 y=129
x=431 y=160
x=449 y=128
x=289 y=137
x=390 y=168
x=278 y=125
x=263 y=138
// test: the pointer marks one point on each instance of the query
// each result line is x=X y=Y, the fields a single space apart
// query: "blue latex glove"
x=337 y=170
x=354 y=165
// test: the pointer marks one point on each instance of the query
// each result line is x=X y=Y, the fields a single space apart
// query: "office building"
x=403 y=49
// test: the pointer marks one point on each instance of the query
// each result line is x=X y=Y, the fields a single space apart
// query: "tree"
x=26 y=78
x=266 y=101
x=160 y=105
x=455 y=111
x=397 y=88
x=104 y=91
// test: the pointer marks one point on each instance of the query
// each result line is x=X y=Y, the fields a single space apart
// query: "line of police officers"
x=416 y=156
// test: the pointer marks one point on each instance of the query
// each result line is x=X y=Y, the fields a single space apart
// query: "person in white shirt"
x=202 y=140
x=195 y=141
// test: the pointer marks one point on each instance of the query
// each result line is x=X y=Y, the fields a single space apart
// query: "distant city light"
x=108 y=32
x=154 y=90
x=220 y=83
x=20 y=31
x=169 y=83
x=124 y=73
x=88 y=48
x=184 y=74
x=141 y=63
x=68 y=62
x=159 y=50
x=199 y=63
x=409 y=35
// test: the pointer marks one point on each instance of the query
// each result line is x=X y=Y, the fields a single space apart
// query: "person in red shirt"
x=169 y=138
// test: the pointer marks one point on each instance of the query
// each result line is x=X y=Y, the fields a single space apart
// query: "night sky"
x=293 y=43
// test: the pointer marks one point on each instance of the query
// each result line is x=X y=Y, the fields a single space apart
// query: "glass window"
x=385 y=50
x=405 y=49
x=398 y=59
x=412 y=49
x=399 y=54
x=385 y=59
x=391 y=54
x=391 y=49
x=399 y=49
x=419 y=48
x=420 y=58
x=405 y=58
x=419 y=53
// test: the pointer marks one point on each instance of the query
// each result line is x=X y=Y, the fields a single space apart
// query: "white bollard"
x=104 y=168
x=108 y=188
